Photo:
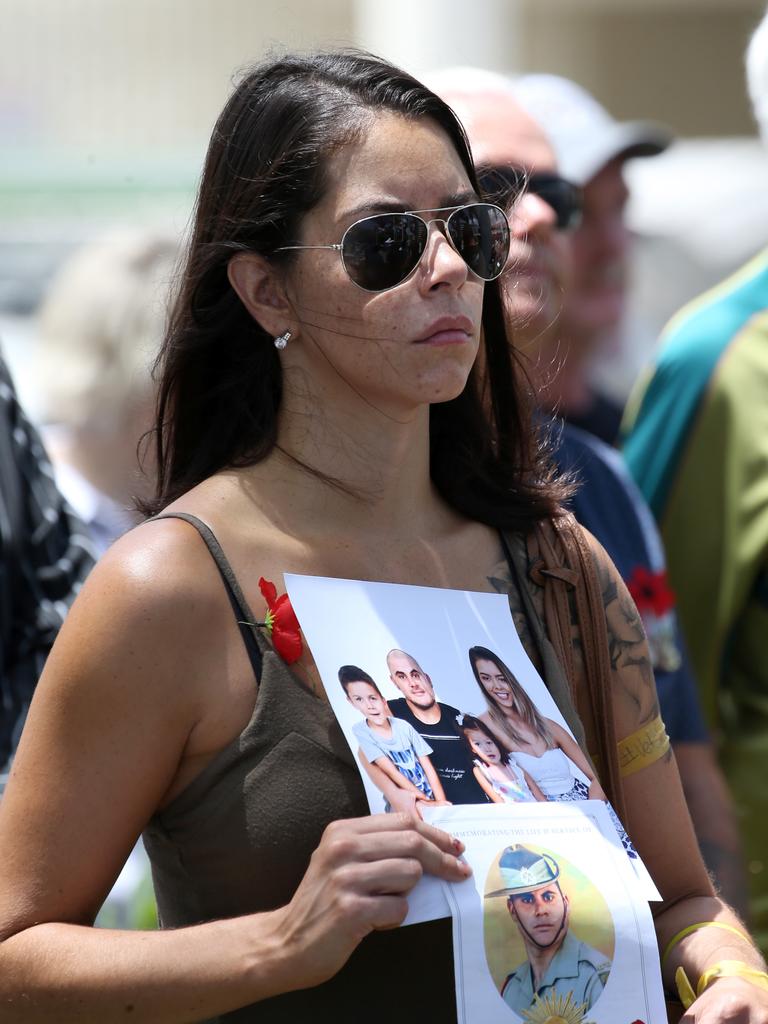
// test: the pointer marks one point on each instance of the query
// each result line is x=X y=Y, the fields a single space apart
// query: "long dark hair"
x=220 y=380
x=524 y=707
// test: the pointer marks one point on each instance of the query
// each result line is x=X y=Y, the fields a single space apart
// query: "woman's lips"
x=448 y=330
x=445 y=338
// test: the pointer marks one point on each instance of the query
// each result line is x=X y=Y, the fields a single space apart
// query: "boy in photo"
x=391 y=744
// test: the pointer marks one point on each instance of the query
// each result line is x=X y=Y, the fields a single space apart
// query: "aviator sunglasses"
x=381 y=251
x=505 y=185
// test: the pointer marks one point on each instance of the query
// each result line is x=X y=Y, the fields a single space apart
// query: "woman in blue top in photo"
x=337 y=398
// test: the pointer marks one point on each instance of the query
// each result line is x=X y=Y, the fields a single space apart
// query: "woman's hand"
x=358 y=881
x=729 y=1001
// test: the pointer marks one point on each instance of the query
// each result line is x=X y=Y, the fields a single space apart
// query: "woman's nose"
x=443 y=263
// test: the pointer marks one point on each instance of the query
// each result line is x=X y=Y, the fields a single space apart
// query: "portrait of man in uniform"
x=562 y=976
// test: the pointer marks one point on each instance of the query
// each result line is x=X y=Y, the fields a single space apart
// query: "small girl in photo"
x=391 y=744
x=496 y=770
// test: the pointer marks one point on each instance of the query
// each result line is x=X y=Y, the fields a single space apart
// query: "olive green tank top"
x=238 y=839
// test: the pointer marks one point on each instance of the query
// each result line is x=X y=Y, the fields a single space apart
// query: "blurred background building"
x=106 y=106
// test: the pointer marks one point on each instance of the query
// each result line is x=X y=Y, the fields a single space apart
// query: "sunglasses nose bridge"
x=442 y=227
x=441 y=221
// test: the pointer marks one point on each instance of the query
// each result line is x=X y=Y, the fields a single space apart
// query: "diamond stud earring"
x=282 y=340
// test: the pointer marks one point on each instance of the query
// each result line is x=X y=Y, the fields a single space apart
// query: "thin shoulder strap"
x=246 y=622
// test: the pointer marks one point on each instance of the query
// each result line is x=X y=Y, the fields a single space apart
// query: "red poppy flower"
x=651 y=591
x=281 y=623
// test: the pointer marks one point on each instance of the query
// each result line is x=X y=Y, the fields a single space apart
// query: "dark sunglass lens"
x=562 y=196
x=480 y=233
x=380 y=252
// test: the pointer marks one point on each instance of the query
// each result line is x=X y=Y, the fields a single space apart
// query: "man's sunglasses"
x=380 y=252
x=504 y=185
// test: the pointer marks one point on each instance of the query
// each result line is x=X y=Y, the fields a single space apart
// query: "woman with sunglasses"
x=320 y=412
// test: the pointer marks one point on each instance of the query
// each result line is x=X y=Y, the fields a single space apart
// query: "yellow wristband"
x=732 y=969
x=644 y=747
x=695 y=927
x=684 y=988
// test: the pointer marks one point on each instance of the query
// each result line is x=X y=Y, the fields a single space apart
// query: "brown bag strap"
x=559 y=684
x=560 y=561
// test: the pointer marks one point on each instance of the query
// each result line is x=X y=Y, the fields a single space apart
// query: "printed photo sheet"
x=550 y=927
x=440 y=704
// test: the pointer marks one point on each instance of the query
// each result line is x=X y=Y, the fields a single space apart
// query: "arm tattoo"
x=627 y=646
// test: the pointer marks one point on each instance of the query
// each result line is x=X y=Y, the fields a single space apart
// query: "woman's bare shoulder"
x=158 y=562
x=147 y=612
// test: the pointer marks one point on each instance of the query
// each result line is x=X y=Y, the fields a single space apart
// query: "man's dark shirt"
x=450 y=757
x=44 y=557
x=610 y=506
x=602 y=418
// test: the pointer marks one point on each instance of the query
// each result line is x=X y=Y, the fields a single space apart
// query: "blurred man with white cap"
x=592 y=148
x=540 y=259
x=506 y=139
x=698 y=448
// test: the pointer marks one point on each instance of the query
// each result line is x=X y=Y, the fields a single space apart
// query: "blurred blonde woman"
x=100 y=329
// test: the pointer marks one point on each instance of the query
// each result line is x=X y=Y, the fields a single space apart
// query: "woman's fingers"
x=358 y=881
x=394 y=836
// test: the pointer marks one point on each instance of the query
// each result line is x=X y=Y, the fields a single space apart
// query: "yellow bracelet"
x=723 y=969
x=695 y=927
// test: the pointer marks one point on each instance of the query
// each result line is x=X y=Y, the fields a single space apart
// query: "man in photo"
x=389 y=743
x=559 y=965
x=437 y=724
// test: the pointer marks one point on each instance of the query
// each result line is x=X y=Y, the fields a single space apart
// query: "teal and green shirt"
x=697 y=445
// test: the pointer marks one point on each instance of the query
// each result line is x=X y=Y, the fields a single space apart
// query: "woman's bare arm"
x=122 y=712
x=533 y=786
x=574 y=753
x=660 y=827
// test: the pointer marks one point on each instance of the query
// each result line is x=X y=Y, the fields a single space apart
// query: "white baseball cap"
x=584 y=134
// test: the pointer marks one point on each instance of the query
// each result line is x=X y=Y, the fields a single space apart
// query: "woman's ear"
x=261 y=292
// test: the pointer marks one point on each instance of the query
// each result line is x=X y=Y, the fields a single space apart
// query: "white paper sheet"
x=350 y=622
x=594 y=903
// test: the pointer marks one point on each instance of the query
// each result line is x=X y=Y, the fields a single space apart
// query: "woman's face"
x=415 y=343
x=483 y=746
x=494 y=682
